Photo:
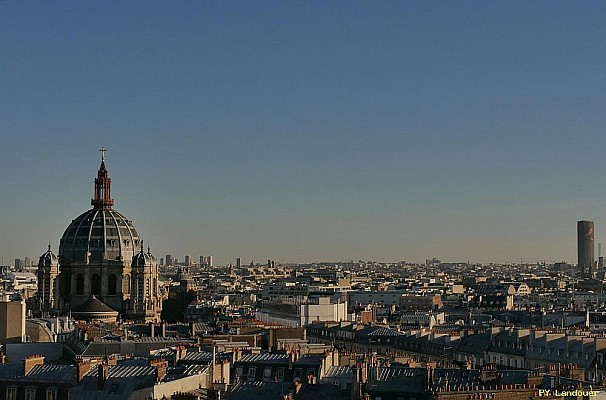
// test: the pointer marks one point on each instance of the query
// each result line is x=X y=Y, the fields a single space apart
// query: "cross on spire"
x=102 y=150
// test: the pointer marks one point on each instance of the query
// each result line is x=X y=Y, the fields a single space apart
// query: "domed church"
x=102 y=269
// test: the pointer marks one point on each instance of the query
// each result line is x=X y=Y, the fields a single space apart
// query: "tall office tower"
x=169 y=260
x=28 y=262
x=585 y=248
x=188 y=261
x=238 y=262
x=202 y=260
x=161 y=262
x=209 y=261
x=18 y=264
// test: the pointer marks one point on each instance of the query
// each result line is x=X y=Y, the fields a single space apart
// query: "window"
x=95 y=285
x=30 y=393
x=111 y=284
x=252 y=371
x=267 y=374
x=11 y=393
x=51 y=394
x=281 y=373
x=66 y=283
x=79 y=284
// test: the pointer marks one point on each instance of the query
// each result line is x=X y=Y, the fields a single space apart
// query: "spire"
x=102 y=199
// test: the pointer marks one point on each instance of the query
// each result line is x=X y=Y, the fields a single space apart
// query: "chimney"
x=31 y=361
x=180 y=352
x=163 y=328
x=102 y=375
x=82 y=369
x=151 y=329
x=192 y=329
x=161 y=367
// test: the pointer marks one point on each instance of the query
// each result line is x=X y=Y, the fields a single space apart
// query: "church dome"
x=101 y=234
x=48 y=259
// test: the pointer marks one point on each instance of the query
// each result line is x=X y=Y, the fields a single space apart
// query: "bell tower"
x=103 y=183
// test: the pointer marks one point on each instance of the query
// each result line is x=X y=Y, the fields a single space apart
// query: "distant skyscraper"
x=585 y=233
x=18 y=263
x=169 y=260
x=161 y=262
x=238 y=262
x=209 y=260
x=188 y=261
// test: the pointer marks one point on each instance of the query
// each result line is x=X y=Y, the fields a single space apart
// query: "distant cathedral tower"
x=102 y=269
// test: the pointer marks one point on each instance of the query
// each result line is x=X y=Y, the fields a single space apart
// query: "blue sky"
x=307 y=131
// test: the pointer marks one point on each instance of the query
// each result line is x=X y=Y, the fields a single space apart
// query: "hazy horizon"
x=308 y=131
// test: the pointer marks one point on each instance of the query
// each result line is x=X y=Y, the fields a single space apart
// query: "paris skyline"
x=308 y=132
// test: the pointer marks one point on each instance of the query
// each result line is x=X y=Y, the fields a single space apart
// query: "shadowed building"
x=585 y=246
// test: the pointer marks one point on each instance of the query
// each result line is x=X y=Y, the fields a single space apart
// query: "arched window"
x=96 y=284
x=79 y=284
x=65 y=284
x=111 y=284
